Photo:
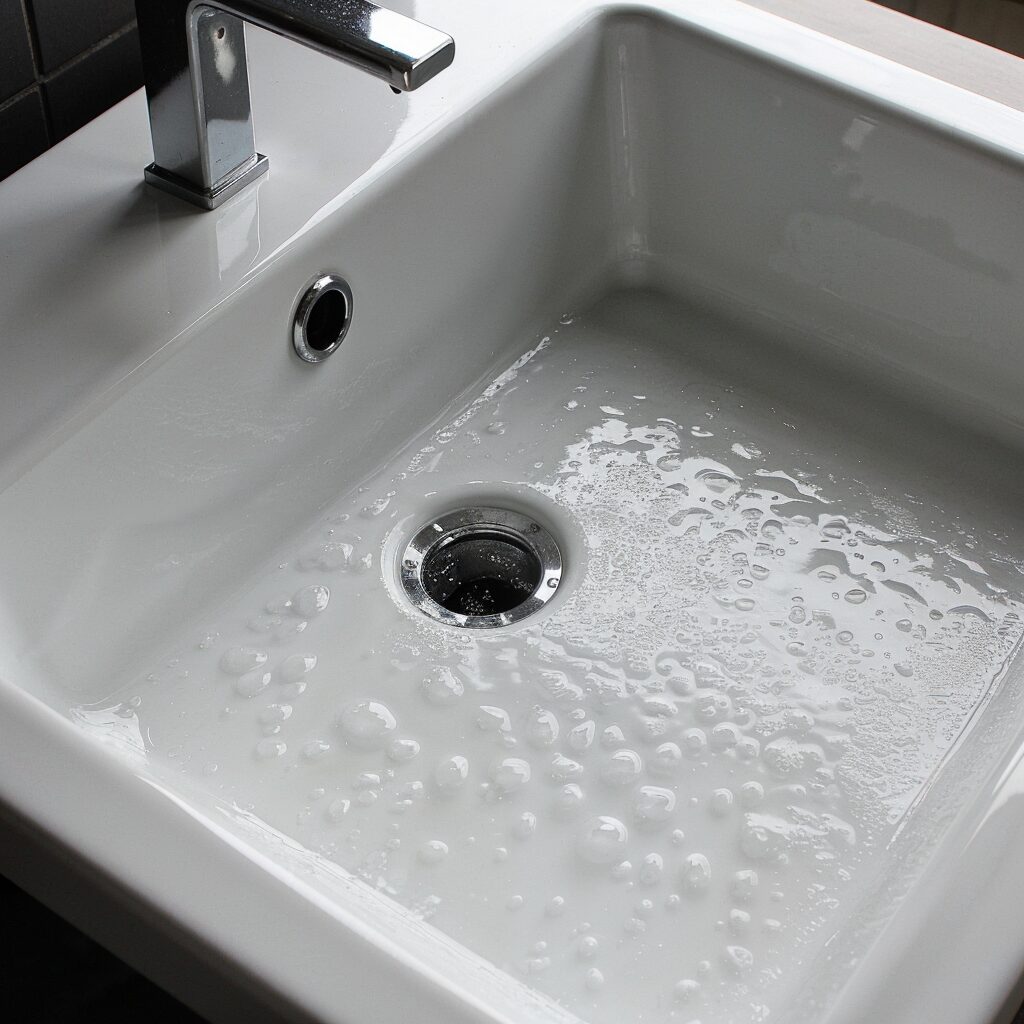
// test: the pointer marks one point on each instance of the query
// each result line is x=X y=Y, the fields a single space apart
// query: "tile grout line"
x=89 y=51
x=28 y=15
x=44 y=78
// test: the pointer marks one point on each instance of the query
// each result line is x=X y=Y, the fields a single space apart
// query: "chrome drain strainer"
x=481 y=568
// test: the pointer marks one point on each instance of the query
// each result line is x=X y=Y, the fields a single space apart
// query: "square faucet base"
x=207 y=198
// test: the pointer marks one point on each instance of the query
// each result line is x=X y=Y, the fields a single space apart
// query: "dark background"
x=53 y=974
x=62 y=63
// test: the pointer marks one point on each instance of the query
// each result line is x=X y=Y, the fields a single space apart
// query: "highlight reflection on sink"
x=745 y=345
x=761 y=660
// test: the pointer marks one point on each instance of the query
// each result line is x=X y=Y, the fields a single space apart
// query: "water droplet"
x=491 y=719
x=510 y=774
x=310 y=601
x=275 y=714
x=433 y=851
x=296 y=667
x=564 y=768
x=721 y=802
x=441 y=687
x=695 y=742
x=686 y=990
x=739 y=921
x=738 y=959
x=555 y=907
x=752 y=794
x=525 y=825
x=581 y=736
x=541 y=728
x=725 y=735
x=337 y=809
x=366 y=724
x=611 y=737
x=236 y=661
x=252 y=683
x=622 y=768
x=682 y=681
x=403 y=749
x=651 y=869
x=314 y=750
x=602 y=840
x=696 y=873
x=743 y=886
x=666 y=760
x=622 y=870
x=836 y=529
x=653 y=806
x=569 y=800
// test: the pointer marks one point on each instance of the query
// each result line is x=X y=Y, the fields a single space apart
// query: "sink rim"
x=57 y=801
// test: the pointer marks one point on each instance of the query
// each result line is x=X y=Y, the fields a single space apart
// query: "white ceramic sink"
x=733 y=310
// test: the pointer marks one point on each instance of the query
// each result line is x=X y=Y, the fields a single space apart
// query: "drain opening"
x=481 y=573
x=322 y=318
x=481 y=567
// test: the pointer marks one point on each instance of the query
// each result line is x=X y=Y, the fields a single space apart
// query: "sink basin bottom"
x=725 y=742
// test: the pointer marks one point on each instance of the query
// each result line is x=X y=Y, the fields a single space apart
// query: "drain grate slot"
x=481 y=573
x=481 y=567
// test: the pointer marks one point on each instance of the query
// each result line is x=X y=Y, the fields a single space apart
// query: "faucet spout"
x=197 y=82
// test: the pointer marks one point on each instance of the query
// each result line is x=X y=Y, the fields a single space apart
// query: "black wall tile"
x=66 y=28
x=87 y=87
x=23 y=134
x=77 y=56
x=16 y=71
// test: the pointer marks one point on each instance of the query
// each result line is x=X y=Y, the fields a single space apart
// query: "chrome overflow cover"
x=322 y=318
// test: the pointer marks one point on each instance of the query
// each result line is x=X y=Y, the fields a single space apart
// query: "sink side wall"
x=829 y=217
x=141 y=522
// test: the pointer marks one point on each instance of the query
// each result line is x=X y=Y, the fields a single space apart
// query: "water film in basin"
x=658 y=800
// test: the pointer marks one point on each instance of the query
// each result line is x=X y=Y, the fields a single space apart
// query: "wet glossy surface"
x=666 y=795
x=751 y=352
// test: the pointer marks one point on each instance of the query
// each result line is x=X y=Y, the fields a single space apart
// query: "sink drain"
x=481 y=568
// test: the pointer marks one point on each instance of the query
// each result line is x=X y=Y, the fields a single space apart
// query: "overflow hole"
x=322 y=318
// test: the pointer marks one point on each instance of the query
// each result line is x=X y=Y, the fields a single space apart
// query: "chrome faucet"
x=197 y=80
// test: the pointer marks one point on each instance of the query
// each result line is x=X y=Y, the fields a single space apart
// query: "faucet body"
x=197 y=81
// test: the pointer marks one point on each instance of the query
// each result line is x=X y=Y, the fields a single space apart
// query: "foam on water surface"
x=658 y=800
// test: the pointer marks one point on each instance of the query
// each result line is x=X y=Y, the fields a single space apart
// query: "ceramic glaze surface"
x=713 y=301
x=663 y=797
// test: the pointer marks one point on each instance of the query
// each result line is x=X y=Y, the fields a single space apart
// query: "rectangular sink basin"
x=724 y=308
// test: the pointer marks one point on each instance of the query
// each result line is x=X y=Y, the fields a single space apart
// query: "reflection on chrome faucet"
x=197 y=82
